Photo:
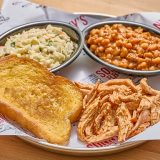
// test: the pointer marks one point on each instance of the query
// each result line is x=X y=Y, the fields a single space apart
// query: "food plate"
x=72 y=149
x=82 y=151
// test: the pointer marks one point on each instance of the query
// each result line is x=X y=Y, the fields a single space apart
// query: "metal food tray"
x=83 y=151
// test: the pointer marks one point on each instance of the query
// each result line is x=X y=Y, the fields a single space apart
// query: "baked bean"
x=125 y=62
x=93 y=47
x=114 y=46
x=142 y=65
x=116 y=51
x=148 y=54
x=140 y=50
x=115 y=62
x=98 y=40
x=118 y=57
x=96 y=51
x=108 y=60
x=134 y=41
x=107 y=26
x=144 y=45
x=115 y=26
x=132 y=65
x=124 y=52
x=157 y=53
x=114 y=36
x=123 y=65
x=129 y=28
x=119 y=43
x=94 y=31
x=101 y=48
x=105 y=42
x=109 y=50
x=152 y=47
x=129 y=34
x=100 y=54
x=146 y=34
x=109 y=56
x=152 y=68
x=156 y=60
x=148 y=60
x=139 y=30
x=101 y=33
x=131 y=57
x=90 y=40
x=127 y=47
x=140 y=60
x=143 y=41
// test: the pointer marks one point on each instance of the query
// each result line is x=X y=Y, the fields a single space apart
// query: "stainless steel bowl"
x=120 y=69
x=72 y=32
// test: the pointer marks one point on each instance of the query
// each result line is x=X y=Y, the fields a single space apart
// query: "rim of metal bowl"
x=120 y=69
x=83 y=151
x=45 y=22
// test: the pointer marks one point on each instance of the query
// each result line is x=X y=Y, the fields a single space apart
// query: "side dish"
x=117 y=108
x=125 y=46
x=50 y=46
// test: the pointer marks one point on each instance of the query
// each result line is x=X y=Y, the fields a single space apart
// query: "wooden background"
x=12 y=148
x=115 y=7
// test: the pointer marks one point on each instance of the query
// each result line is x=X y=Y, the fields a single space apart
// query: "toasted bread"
x=37 y=100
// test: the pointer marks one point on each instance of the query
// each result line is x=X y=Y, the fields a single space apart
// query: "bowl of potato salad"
x=53 y=44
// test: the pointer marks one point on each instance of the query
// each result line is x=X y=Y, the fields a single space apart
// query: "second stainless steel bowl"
x=71 y=31
x=120 y=69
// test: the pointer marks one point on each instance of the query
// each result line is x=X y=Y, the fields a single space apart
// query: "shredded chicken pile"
x=117 y=108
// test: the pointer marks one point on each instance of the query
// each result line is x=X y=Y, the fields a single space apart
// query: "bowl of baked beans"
x=128 y=47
